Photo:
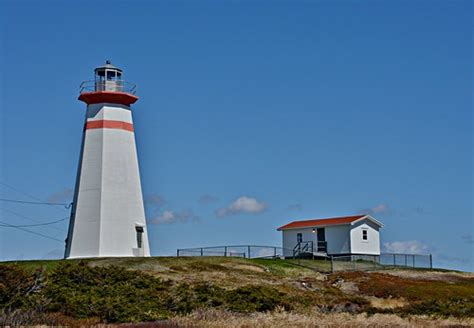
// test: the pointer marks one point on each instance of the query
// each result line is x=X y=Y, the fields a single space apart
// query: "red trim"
x=321 y=222
x=113 y=97
x=108 y=124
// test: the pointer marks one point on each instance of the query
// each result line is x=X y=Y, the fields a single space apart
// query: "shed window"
x=364 y=234
x=299 y=238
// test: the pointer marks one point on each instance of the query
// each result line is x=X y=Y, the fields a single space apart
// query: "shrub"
x=186 y=298
x=17 y=286
x=255 y=298
x=243 y=299
x=111 y=293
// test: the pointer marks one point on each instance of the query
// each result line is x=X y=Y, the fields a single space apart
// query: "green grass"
x=318 y=265
x=32 y=265
x=182 y=264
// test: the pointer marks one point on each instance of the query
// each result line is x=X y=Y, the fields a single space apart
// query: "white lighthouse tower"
x=108 y=216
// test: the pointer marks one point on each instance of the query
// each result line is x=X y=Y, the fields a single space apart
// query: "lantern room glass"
x=108 y=79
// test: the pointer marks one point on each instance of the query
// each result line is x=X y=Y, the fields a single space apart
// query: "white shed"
x=349 y=235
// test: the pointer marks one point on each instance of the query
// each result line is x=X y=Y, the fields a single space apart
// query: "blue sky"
x=308 y=109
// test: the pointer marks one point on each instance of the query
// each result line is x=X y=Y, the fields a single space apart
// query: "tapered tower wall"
x=108 y=216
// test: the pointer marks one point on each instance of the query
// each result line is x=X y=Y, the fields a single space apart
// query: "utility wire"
x=28 y=218
x=26 y=194
x=34 y=203
x=29 y=231
x=33 y=225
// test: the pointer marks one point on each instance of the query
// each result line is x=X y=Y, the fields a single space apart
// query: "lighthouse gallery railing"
x=108 y=85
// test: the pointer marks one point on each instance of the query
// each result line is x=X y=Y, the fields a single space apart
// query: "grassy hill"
x=230 y=292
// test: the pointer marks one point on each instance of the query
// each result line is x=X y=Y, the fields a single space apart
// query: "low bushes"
x=77 y=293
x=114 y=294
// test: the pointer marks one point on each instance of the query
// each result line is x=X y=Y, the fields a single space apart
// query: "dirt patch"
x=245 y=267
x=133 y=264
x=386 y=303
x=431 y=275
x=348 y=287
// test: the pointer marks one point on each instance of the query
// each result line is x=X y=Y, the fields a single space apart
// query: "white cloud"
x=378 y=209
x=169 y=216
x=468 y=238
x=295 y=207
x=206 y=199
x=155 y=200
x=407 y=247
x=381 y=208
x=242 y=205
x=62 y=196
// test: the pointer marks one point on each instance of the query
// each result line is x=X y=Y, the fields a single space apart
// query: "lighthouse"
x=107 y=214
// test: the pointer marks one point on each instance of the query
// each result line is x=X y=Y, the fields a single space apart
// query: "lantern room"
x=108 y=86
x=108 y=78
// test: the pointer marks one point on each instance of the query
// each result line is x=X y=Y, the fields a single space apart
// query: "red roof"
x=321 y=222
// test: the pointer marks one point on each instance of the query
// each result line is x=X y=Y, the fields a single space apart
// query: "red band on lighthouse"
x=109 y=124
x=113 y=97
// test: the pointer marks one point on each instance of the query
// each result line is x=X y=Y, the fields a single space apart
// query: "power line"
x=32 y=232
x=33 y=203
x=30 y=219
x=33 y=225
x=26 y=194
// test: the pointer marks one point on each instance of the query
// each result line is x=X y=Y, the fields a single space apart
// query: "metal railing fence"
x=331 y=263
x=380 y=262
x=245 y=251
x=108 y=85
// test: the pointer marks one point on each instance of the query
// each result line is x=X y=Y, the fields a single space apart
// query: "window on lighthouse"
x=139 y=236
x=110 y=75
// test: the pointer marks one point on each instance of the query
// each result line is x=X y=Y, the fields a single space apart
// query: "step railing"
x=303 y=247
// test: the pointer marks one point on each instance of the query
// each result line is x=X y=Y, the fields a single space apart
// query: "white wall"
x=337 y=238
x=290 y=241
x=341 y=239
x=108 y=201
x=369 y=246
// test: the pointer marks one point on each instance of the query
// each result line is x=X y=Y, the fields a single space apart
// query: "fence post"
x=413 y=260
x=375 y=261
x=201 y=252
x=274 y=252
x=177 y=252
x=394 y=261
x=248 y=249
x=225 y=251
x=353 y=263
x=431 y=261
x=332 y=265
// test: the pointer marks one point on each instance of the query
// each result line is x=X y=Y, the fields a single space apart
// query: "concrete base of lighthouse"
x=108 y=216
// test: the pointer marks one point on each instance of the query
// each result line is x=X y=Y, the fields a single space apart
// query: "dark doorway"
x=322 y=245
x=321 y=234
